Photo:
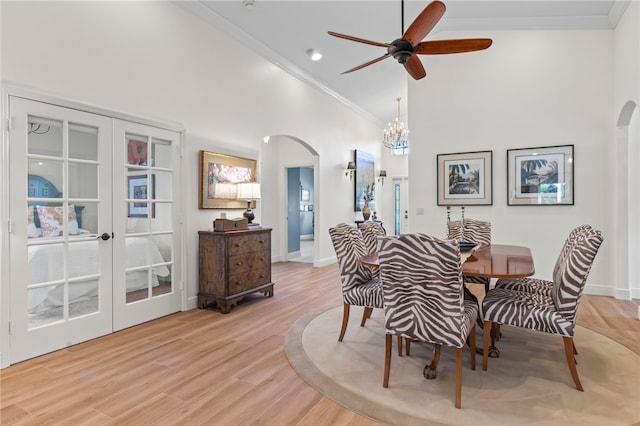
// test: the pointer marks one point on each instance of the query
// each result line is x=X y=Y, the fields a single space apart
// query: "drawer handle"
x=262 y=258
x=239 y=264
x=238 y=245
x=238 y=282
x=261 y=241
x=262 y=275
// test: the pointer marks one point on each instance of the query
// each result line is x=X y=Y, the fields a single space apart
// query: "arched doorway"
x=293 y=165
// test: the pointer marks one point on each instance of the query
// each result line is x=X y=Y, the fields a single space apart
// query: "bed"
x=43 y=260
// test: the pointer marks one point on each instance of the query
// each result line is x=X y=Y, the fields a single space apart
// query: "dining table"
x=487 y=261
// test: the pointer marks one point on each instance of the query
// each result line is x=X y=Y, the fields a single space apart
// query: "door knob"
x=104 y=236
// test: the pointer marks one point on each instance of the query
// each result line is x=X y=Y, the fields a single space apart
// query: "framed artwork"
x=365 y=181
x=219 y=174
x=540 y=176
x=305 y=195
x=465 y=179
x=139 y=189
x=137 y=152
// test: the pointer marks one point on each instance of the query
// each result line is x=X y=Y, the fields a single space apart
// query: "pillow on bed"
x=32 y=230
x=52 y=223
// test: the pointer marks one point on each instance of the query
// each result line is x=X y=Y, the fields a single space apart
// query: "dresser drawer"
x=249 y=243
x=248 y=261
x=246 y=280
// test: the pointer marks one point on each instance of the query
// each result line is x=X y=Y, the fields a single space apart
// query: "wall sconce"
x=351 y=167
x=382 y=175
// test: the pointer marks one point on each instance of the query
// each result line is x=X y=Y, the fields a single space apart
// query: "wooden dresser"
x=232 y=265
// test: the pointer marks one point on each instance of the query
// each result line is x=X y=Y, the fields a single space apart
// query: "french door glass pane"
x=161 y=154
x=44 y=137
x=83 y=180
x=83 y=142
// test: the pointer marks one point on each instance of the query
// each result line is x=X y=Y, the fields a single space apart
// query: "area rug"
x=529 y=384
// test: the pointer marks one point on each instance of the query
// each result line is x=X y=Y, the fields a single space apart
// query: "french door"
x=145 y=177
x=97 y=250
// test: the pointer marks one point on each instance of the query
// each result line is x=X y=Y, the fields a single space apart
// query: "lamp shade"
x=248 y=191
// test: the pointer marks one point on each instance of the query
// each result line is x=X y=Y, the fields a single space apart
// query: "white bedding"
x=44 y=264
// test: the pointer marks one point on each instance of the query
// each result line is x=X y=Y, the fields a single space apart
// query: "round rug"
x=529 y=383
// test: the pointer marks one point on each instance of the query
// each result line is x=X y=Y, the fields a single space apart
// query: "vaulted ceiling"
x=284 y=31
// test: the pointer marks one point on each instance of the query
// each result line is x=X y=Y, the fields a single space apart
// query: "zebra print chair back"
x=422 y=289
x=476 y=231
x=359 y=287
x=349 y=247
x=370 y=232
x=424 y=298
x=538 y=285
x=570 y=278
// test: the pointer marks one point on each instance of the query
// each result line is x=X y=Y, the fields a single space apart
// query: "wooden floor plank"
x=204 y=367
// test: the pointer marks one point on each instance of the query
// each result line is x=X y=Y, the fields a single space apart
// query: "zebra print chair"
x=538 y=285
x=359 y=288
x=553 y=313
x=476 y=231
x=424 y=299
x=370 y=232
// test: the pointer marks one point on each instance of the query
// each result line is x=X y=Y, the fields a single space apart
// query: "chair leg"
x=407 y=343
x=486 y=331
x=366 y=315
x=459 y=376
x=571 y=361
x=345 y=320
x=387 y=360
x=472 y=346
x=399 y=345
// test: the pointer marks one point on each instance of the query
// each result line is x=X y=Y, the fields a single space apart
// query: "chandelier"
x=396 y=135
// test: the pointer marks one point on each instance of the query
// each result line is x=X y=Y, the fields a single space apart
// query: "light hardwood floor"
x=203 y=367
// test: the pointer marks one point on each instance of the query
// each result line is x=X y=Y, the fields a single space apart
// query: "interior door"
x=146 y=263
x=400 y=206
x=60 y=227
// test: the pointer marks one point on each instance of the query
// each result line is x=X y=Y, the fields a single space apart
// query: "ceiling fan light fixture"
x=397 y=134
x=314 y=55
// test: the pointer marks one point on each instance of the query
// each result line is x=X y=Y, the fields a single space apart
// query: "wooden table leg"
x=429 y=371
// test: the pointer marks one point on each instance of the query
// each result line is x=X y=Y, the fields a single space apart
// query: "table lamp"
x=249 y=191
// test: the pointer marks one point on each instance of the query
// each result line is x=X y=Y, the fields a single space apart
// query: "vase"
x=366 y=212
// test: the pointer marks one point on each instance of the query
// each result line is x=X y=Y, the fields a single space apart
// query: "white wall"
x=529 y=89
x=626 y=69
x=155 y=60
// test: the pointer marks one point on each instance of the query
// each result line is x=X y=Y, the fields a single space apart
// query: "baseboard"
x=306 y=237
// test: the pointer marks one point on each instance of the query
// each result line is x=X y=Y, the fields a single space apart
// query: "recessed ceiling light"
x=249 y=3
x=315 y=56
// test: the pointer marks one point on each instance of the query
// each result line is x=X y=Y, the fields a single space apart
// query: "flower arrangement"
x=368 y=193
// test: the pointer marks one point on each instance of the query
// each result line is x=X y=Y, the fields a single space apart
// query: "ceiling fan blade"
x=424 y=23
x=443 y=47
x=415 y=68
x=359 y=40
x=366 y=64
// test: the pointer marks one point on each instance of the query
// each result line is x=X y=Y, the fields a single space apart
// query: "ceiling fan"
x=406 y=49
